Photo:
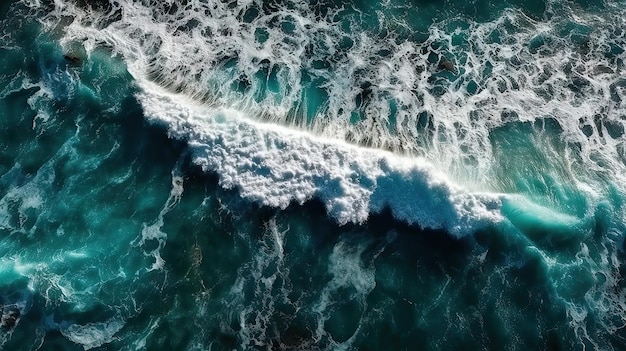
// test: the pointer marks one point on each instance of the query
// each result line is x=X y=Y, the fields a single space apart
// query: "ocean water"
x=312 y=175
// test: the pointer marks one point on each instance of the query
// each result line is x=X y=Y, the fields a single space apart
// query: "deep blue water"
x=304 y=175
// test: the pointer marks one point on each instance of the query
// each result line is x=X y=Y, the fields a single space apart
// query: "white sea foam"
x=92 y=335
x=349 y=272
x=276 y=166
x=524 y=73
x=153 y=231
x=269 y=277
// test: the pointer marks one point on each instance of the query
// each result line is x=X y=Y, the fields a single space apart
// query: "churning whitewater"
x=312 y=174
x=300 y=68
x=228 y=130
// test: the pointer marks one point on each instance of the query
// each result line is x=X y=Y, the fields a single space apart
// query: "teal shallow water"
x=125 y=225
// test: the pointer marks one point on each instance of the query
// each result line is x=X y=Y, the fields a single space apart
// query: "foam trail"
x=93 y=335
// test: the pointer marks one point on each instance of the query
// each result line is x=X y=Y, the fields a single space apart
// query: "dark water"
x=311 y=175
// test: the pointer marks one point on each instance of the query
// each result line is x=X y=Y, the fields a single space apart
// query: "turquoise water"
x=304 y=175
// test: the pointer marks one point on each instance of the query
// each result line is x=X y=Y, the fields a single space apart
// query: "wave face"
x=276 y=174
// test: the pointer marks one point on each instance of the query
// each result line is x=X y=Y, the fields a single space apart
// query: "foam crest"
x=276 y=166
